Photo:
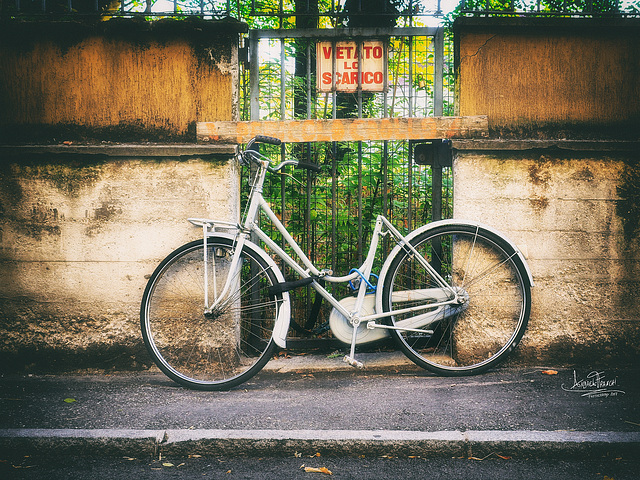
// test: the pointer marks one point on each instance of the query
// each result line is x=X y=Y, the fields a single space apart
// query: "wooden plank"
x=353 y=129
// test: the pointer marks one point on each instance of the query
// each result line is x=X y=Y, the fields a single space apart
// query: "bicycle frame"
x=454 y=295
x=445 y=295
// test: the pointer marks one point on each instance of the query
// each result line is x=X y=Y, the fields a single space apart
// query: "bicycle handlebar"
x=255 y=155
x=266 y=139
x=309 y=166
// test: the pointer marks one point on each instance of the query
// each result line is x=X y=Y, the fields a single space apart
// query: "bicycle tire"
x=486 y=271
x=214 y=351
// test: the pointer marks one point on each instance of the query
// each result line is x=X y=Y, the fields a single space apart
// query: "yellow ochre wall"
x=545 y=77
x=116 y=82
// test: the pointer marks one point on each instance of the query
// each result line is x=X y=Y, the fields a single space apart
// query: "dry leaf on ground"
x=324 y=470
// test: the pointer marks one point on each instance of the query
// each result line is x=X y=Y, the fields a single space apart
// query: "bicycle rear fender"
x=437 y=224
x=281 y=326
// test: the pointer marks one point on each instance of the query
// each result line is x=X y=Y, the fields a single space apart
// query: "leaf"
x=324 y=470
x=70 y=400
x=549 y=372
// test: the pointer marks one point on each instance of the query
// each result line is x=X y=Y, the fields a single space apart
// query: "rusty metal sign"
x=347 y=66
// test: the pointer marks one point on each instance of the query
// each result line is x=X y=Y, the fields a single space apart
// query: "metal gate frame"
x=436 y=33
x=255 y=35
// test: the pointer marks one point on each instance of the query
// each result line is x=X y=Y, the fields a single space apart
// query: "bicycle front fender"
x=418 y=231
x=454 y=221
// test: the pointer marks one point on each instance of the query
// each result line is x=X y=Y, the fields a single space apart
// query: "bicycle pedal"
x=353 y=362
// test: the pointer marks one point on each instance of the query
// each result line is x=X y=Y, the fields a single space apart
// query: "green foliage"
x=585 y=7
x=332 y=214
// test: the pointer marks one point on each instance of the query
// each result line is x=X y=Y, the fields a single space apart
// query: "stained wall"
x=559 y=174
x=99 y=171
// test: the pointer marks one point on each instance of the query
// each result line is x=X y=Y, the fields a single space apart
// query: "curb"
x=473 y=443
x=373 y=362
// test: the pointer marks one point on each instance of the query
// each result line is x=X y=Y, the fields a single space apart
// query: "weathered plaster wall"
x=98 y=173
x=572 y=205
x=564 y=208
x=559 y=78
x=79 y=239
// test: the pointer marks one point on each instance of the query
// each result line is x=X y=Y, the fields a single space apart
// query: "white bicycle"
x=454 y=295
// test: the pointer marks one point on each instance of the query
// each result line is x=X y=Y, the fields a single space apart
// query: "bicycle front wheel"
x=210 y=350
x=494 y=291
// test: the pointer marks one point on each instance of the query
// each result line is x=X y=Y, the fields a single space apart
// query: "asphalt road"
x=506 y=399
x=125 y=468
x=403 y=423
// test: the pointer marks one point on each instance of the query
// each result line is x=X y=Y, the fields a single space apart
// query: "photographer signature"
x=594 y=385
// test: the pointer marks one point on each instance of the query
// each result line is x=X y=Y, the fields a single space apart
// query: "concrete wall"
x=85 y=217
x=79 y=237
x=572 y=205
x=562 y=204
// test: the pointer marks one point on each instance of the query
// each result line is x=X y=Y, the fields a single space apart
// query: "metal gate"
x=331 y=214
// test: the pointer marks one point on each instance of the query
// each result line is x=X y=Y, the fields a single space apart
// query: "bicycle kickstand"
x=350 y=359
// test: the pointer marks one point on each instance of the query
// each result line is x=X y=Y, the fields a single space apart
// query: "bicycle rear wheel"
x=217 y=350
x=489 y=276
